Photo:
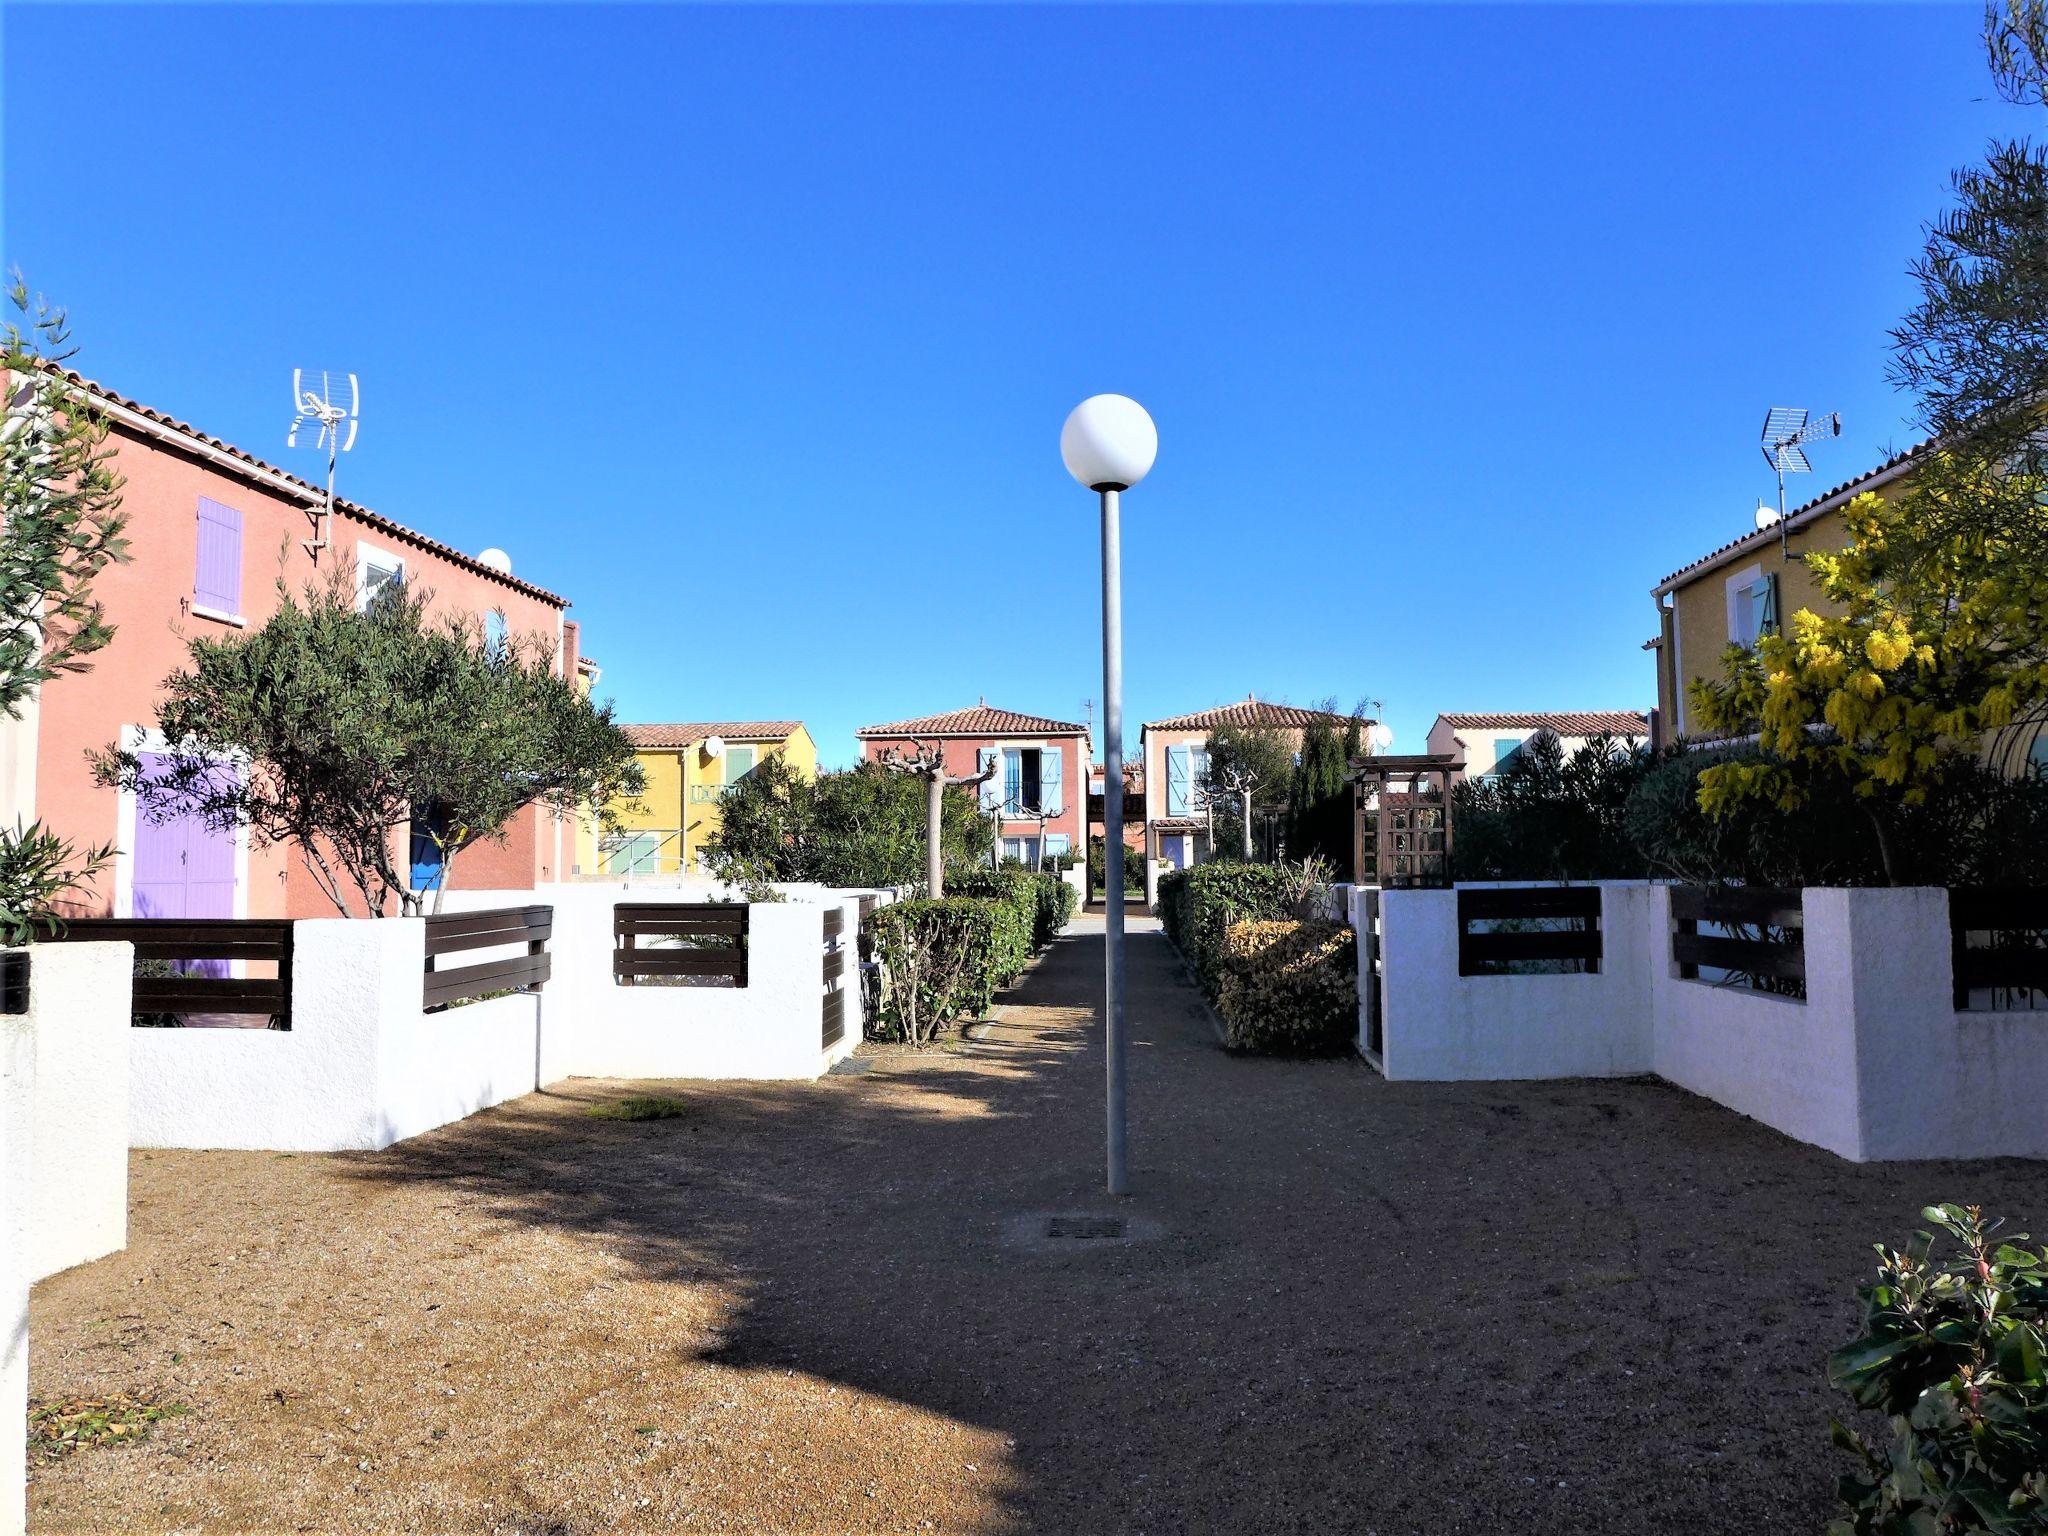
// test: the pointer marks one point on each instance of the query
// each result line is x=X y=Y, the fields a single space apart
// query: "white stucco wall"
x=770 y=1029
x=434 y=1068
x=17 y=1153
x=1442 y=1026
x=1875 y=1063
x=78 y=1010
x=1788 y=1063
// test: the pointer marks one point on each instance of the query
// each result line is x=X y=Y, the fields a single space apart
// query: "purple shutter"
x=217 y=584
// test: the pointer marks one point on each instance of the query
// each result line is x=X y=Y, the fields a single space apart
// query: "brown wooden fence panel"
x=1779 y=957
x=451 y=933
x=714 y=935
x=182 y=940
x=1485 y=953
x=833 y=1028
x=2015 y=923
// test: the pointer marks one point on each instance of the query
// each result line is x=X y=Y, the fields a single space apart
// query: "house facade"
x=691 y=766
x=1747 y=588
x=1484 y=744
x=1037 y=791
x=213 y=531
x=1175 y=756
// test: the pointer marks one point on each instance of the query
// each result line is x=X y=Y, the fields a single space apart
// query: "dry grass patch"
x=639 y=1107
x=57 y=1430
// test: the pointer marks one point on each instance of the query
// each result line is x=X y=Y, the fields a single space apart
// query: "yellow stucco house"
x=1746 y=588
x=690 y=765
x=1752 y=585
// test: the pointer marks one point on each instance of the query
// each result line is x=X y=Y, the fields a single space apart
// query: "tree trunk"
x=1245 y=796
x=1886 y=854
x=934 y=818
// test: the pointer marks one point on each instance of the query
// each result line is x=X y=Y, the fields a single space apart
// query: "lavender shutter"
x=217 y=583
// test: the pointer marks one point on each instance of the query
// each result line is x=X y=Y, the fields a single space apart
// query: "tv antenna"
x=1787 y=431
x=329 y=401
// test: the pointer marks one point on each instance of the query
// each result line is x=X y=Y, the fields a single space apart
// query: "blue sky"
x=751 y=330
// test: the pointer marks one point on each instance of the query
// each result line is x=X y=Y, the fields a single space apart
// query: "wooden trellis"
x=1401 y=808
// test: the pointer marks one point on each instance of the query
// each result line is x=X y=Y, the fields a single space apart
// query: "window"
x=1752 y=605
x=637 y=853
x=1505 y=750
x=494 y=631
x=217 y=574
x=739 y=762
x=375 y=570
x=1022 y=849
x=1186 y=769
x=2037 y=756
x=1031 y=781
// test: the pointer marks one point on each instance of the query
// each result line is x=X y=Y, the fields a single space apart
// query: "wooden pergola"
x=1401 y=819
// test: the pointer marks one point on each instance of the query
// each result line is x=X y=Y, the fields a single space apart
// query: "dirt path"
x=1352 y=1305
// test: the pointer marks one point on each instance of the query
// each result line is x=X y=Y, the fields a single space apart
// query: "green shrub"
x=1955 y=1351
x=1287 y=987
x=1044 y=900
x=1196 y=905
x=940 y=963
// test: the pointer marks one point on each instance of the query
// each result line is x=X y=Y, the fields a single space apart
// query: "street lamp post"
x=1108 y=444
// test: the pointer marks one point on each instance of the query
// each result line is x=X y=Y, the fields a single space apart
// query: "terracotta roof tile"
x=1598 y=722
x=1248 y=712
x=979 y=720
x=314 y=493
x=686 y=733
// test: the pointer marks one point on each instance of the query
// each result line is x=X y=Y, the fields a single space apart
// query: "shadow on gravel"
x=1583 y=1306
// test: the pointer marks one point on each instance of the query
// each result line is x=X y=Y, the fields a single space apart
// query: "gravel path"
x=1348 y=1305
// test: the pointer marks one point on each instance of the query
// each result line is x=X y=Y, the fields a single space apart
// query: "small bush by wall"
x=943 y=961
x=939 y=964
x=1197 y=905
x=1288 y=987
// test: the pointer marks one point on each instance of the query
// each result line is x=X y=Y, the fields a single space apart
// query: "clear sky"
x=751 y=330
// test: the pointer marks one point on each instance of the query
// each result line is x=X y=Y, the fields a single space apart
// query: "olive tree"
x=336 y=730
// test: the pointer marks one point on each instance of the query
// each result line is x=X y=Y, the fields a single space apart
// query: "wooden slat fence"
x=713 y=935
x=1569 y=937
x=833 y=1028
x=450 y=933
x=1766 y=938
x=189 y=940
x=14 y=966
x=2014 y=956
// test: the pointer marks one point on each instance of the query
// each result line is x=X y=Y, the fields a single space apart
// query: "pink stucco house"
x=212 y=531
x=1041 y=767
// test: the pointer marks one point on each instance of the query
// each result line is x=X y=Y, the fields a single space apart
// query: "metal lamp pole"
x=1113 y=829
x=1108 y=444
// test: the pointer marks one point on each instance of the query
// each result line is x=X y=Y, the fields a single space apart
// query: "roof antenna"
x=330 y=401
x=1786 y=433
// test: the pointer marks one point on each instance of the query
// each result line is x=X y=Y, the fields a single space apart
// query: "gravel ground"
x=1345 y=1305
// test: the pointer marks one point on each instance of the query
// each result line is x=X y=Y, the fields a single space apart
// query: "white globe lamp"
x=1109 y=442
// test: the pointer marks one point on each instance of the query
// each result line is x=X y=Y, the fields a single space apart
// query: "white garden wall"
x=1875 y=1063
x=362 y=1065
x=78 y=1012
x=17 y=1153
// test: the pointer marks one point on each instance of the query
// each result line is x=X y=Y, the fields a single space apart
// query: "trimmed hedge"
x=943 y=961
x=1288 y=987
x=1197 y=905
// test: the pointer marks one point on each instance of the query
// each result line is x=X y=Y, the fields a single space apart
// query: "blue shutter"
x=991 y=788
x=1057 y=843
x=1177 y=781
x=1013 y=781
x=1049 y=774
x=1767 y=615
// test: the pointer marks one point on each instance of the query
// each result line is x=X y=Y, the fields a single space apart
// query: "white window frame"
x=1743 y=584
x=383 y=559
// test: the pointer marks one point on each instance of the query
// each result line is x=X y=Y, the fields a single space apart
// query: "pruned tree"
x=927 y=764
x=335 y=730
x=865 y=826
x=1248 y=773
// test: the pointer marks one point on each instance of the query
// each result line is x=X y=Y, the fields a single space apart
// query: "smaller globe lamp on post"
x=1109 y=444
